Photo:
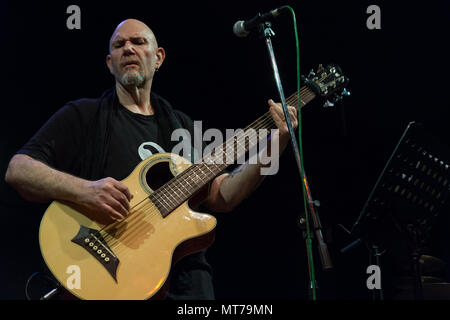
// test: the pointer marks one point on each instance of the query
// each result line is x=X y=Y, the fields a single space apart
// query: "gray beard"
x=130 y=78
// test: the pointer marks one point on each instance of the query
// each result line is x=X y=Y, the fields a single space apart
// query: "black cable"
x=51 y=280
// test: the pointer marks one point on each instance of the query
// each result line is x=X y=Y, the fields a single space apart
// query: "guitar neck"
x=183 y=186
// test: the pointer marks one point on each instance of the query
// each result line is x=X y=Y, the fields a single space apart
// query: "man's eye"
x=139 y=41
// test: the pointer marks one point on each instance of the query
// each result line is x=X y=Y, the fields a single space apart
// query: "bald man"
x=85 y=148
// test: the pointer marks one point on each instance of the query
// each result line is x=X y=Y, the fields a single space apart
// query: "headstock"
x=328 y=83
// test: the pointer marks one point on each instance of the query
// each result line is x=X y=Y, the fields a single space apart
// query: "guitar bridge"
x=93 y=242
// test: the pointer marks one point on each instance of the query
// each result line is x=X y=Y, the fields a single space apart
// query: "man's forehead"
x=131 y=29
x=124 y=35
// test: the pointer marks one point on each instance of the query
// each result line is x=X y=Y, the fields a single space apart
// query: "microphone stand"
x=266 y=32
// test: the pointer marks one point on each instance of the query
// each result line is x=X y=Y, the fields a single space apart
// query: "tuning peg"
x=320 y=68
x=311 y=74
x=328 y=104
x=345 y=92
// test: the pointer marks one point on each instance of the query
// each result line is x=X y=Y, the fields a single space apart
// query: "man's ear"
x=108 y=63
x=160 y=56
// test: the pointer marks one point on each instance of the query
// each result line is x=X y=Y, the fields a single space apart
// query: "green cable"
x=299 y=116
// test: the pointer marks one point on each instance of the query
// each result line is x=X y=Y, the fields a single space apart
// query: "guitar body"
x=141 y=250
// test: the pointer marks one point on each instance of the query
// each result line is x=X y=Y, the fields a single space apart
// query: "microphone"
x=243 y=28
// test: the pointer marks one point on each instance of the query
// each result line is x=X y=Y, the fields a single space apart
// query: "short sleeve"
x=58 y=142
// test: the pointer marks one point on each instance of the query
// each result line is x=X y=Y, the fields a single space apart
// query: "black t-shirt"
x=60 y=143
x=134 y=137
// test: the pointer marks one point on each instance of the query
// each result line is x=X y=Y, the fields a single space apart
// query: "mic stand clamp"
x=302 y=227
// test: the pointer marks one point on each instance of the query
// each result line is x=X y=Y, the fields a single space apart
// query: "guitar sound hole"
x=158 y=174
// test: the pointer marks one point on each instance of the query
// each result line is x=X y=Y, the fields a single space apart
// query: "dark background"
x=397 y=74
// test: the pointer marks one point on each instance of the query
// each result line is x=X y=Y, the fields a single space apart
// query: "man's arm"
x=227 y=191
x=105 y=199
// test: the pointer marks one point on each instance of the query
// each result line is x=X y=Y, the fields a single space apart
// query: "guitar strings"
x=293 y=98
x=135 y=210
x=164 y=187
x=153 y=210
x=131 y=230
x=137 y=229
x=227 y=141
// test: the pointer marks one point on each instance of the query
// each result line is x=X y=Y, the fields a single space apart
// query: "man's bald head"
x=133 y=26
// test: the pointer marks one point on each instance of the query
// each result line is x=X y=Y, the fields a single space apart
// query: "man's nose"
x=128 y=47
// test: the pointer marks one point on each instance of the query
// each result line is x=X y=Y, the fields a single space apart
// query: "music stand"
x=408 y=196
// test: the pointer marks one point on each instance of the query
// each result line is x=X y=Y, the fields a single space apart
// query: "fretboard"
x=182 y=187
